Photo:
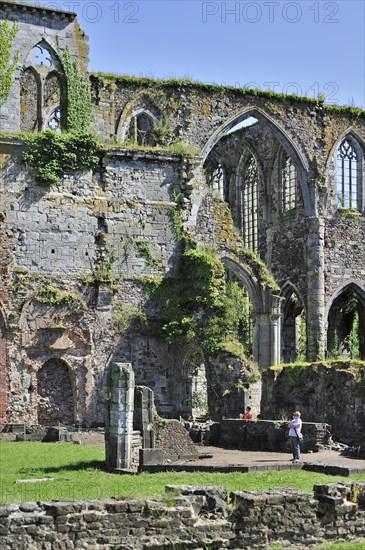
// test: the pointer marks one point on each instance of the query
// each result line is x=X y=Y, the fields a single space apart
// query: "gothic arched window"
x=216 y=180
x=249 y=203
x=348 y=185
x=288 y=182
x=141 y=130
x=40 y=93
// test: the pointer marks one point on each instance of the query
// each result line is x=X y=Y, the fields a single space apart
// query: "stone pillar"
x=262 y=339
x=315 y=286
x=119 y=416
x=143 y=415
x=276 y=330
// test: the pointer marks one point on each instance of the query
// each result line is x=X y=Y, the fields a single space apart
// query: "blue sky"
x=303 y=47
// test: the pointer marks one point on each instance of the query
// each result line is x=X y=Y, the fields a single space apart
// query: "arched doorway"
x=55 y=402
x=294 y=341
x=346 y=321
x=194 y=394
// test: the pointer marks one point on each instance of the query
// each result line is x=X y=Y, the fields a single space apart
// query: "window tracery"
x=288 y=183
x=40 y=96
x=141 y=130
x=347 y=176
x=216 y=180
x=249 y=204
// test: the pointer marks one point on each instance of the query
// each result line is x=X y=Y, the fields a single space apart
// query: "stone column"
x=119 y=416
x=315 y=285
x=262 y=339
x=276 y=331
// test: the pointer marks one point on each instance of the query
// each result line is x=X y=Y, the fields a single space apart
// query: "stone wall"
x=198 y=518
x=120 y=215
x=269 y=435
x=334 y=395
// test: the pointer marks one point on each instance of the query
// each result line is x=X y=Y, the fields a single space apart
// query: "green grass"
x=358 y=545
x=78 y=474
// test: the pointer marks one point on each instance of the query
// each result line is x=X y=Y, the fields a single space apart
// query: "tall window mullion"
x=250 y=205
x=288 y=176
x=347 y=176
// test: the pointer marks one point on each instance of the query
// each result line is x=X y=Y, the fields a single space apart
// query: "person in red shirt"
x=248 y=414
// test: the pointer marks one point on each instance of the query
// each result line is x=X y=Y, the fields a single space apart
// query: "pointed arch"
x=41 y=89
x=140 y=105
x=192 y=384
x=345 y=314
x=254 y=289
x=30 y=100
x=294 y=332
x=43 y=50
x=293 y=150
x=345 y=171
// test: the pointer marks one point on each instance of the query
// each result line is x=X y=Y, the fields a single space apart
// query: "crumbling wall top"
x=12 y=8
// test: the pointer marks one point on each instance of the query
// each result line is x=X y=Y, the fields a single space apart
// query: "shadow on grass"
x=77 y=466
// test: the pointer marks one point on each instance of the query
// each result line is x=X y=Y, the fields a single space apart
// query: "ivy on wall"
x=201 y=306
x=78 y=104
x=8 y=32
x=51 y=155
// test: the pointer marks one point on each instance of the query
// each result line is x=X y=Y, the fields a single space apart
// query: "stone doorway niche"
x=55 y=403
x=194 y=393
x=346 y=322
x=294 y=328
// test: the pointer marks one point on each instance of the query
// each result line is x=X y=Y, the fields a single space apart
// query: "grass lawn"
x=77 y=473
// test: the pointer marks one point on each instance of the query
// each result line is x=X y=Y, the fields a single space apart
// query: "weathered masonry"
x=268 y=189
x=197 y=516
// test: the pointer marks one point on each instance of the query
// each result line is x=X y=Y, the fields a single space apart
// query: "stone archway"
x=193 y=385
x=294 y=335
x=55 y=400
x=346 y=319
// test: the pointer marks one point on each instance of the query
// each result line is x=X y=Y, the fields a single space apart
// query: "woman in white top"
x=295 y=428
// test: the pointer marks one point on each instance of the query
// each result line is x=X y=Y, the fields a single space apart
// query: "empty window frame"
x=348 y=184
x=141 y=130
x=288 y=182
x=249 y=204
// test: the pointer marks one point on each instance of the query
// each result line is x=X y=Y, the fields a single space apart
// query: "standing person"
x=295 y=428
x=248 y=414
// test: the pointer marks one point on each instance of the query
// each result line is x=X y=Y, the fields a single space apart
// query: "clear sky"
x=304 y=47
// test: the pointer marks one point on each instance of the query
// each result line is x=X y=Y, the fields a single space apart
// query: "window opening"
x=288 y=183
x=217 y=180
x=347 y=174
x=346 y=321
x=141 y=130
x=249 y=205
x=41 y=57
x=54 y=122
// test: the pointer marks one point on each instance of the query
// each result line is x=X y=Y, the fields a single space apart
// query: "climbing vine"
x=78 y=106
x=52 y=155
x=8 y=32
x=201 y=306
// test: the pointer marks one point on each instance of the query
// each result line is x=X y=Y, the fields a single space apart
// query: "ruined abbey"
x=219 y=233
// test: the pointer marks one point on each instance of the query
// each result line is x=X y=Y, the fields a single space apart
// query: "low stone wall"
x=267 y=435
x=199 y=517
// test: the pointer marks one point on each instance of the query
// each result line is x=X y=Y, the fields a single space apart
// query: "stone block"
x=150 y=457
